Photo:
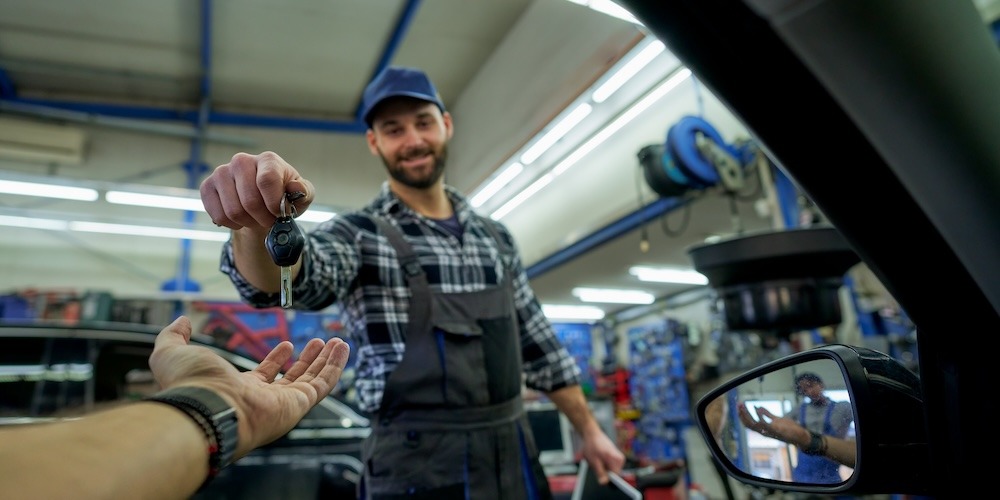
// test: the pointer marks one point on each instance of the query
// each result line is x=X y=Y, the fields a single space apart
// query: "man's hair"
x=809 y=377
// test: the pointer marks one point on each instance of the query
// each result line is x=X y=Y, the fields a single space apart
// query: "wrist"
x=816 y=445
x=214 y=416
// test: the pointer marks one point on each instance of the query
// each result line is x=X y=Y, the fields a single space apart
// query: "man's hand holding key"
x=248 y=195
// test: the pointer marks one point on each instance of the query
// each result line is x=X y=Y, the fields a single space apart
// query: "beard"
x=414 y=179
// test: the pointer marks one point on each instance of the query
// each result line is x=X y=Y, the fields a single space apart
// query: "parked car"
x=886 y=114
x=51 y=371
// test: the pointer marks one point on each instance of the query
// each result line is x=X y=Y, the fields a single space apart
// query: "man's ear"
x=372 y=144
x=448 y=127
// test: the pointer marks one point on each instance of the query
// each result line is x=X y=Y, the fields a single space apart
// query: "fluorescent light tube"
x=191 y=204
x=51 y=224
x=496 y=184
x=523 y=195
x=154 y=200
x=630 y=69
x=668 y=275
x=48 y=190
x=621 y=121
x=555 y=133
x=161 y=232
x=613 y=296
x=556 y=312
x=612 y=9
x=312 y=215
x=607 y=7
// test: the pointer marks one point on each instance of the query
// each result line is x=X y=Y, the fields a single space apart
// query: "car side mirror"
x=865 y=408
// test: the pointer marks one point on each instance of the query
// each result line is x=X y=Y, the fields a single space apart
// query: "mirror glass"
x=763 y=425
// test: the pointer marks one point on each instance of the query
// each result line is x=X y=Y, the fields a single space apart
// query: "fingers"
x=300 y=185
x=272 y=363
x=320 y=364
x=764 y=412
x=332 y=371
x=247 y=191
x=308 y=355
x=599 y=470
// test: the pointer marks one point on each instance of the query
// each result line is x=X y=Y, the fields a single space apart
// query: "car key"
x=285 y=242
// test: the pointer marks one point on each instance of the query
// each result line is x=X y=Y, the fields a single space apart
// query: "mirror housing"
x=889 y=424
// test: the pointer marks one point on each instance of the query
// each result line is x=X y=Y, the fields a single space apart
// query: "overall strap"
x=415 y=275
x=505 y=249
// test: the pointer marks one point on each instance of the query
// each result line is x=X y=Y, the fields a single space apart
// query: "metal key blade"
x=286 y=287
x=284 y=243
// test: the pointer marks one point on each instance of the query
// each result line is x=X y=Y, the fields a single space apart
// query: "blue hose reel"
x=694 y=156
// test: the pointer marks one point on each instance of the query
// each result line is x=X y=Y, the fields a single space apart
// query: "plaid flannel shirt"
x=345 y=261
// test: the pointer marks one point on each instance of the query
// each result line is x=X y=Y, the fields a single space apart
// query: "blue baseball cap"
x=395 y=81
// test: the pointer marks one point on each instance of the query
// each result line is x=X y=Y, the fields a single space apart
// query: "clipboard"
x=587 y=487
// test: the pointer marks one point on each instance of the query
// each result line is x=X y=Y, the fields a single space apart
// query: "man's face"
x=810 y=388
x=411 y=136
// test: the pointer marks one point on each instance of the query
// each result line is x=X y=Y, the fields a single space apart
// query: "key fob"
x=285 y=241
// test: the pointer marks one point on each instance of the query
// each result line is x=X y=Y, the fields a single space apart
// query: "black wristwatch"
x=816 y=446
x=213 y=415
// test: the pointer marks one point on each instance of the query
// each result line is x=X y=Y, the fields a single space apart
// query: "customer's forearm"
x=141 y=450
x=843 y=451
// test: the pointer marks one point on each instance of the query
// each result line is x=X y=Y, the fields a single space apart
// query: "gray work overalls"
x=451 y=423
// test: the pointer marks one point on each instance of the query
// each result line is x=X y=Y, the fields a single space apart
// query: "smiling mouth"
x=416 y=159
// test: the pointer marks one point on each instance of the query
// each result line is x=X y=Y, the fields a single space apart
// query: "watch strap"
x=816 y=446
x=216 y=418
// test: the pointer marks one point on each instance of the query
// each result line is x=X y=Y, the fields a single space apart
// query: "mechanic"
x=207 y=415
x=821 y=416
x=842 y=450
x=417 y=272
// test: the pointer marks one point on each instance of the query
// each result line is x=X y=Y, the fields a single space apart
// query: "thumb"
x=300 y=185
x=176 y=333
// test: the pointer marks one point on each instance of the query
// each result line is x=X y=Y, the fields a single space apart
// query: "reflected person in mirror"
x=842 y=450
x=820 y=416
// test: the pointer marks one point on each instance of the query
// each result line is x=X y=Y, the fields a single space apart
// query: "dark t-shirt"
x=452 y=225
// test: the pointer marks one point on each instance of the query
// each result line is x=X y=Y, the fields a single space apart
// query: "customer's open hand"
x=267 y=406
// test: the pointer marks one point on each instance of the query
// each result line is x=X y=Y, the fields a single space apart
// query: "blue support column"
x=195 y=166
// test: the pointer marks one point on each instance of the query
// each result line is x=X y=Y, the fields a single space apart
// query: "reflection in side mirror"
x=792 y=424
x=864 y=410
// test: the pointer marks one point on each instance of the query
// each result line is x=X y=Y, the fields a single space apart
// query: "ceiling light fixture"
x=34 y=223
x=496 y=184
x=668 y=275
x=613 y=296
x=627 y=71
x=561 y=312
x=609 y=8
x=630 y=114
x=315 y=215
x=155 y=200
x=191 y=203
x=590 y=145
x=555 y=133
x=523 y=195
x=158 y=232
x=59 y=224
x=48 y=190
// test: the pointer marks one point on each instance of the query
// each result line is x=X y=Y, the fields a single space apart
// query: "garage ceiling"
x=254 y=74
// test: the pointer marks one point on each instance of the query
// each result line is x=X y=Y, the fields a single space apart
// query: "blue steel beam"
x=605 y=234
x=398 y=33
x=357 y=126
x=6 y=86
x=195 y=165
